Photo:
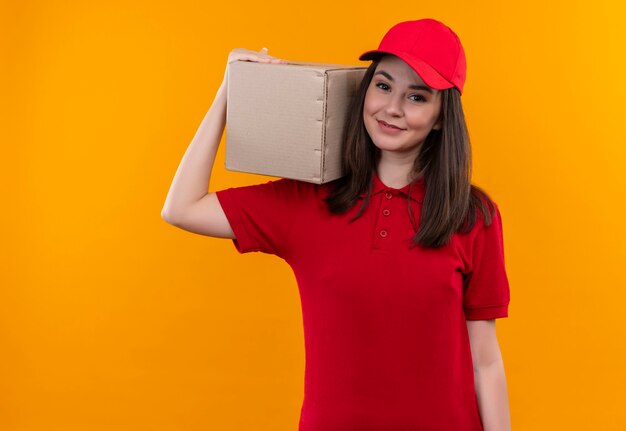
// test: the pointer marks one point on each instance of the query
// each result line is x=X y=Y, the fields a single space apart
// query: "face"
x=389 y=98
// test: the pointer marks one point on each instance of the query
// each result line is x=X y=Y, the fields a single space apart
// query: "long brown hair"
x=450 y=201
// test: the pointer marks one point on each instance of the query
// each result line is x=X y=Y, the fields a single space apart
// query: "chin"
x=395 y=146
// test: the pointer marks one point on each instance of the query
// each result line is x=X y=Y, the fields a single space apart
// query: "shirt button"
x=383 y=233
x=388 y=195
x=386 y=212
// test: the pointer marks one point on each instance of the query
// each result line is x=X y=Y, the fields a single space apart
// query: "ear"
x=437 y=125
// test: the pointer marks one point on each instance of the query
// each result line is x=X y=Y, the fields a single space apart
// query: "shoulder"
x=291 y=190
x=286 y=186
x=276 y=194
x=296 y=192
x=302 y=188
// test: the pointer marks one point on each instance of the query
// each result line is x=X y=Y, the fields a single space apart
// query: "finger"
x=256 y=58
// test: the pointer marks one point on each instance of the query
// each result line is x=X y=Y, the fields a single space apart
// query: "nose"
x=393 y=107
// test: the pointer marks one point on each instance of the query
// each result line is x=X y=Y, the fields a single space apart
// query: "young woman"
x=399 y=263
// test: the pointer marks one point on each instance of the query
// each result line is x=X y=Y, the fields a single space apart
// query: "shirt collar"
x=417 y=190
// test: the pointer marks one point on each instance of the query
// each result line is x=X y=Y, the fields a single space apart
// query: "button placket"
x=384 y=241
x=383 y=232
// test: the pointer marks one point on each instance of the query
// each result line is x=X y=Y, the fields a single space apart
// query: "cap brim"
x=370 y=55
x=430 y=76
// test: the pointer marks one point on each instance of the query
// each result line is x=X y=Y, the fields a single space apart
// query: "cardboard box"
x=287 y=120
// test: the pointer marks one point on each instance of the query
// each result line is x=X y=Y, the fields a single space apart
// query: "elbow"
x=487 y=365
x=167 y=216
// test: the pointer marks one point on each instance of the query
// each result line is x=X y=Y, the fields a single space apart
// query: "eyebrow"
x=412 y=87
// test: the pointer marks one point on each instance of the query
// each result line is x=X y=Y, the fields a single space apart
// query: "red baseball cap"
x=430 y=47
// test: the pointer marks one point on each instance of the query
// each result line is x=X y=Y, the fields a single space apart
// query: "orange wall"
x=111 y=319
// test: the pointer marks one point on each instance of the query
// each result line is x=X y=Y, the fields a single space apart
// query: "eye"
x=419 y=97
x=382 y=83
x=422 y=98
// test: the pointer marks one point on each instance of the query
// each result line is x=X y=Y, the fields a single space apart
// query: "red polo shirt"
x=386 y=342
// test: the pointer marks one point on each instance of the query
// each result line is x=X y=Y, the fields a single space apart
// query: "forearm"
x=493 y=401
x=191 y=181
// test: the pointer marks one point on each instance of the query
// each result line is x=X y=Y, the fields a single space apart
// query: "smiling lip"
x=387 y=126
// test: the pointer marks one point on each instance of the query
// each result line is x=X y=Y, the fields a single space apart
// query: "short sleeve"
x=487 y=293
x=262 y=215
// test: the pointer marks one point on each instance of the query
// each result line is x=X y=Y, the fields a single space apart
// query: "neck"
x=394 y=170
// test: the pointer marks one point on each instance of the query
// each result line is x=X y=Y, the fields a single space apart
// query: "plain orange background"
x=111 y=319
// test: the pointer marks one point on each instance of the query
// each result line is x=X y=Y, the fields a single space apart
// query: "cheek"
x=367 y=103
x=373 y=101
x=368 y=108
x=420 y=120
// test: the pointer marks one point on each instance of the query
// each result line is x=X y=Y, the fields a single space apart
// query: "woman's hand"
x=248 y=55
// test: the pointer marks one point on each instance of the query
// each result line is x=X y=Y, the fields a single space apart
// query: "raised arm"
x=188 y=204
